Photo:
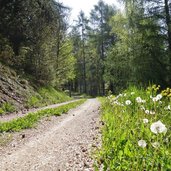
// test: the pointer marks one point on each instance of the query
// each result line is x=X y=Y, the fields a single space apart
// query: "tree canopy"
x=109 y=50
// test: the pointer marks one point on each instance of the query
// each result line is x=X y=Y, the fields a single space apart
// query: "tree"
x=34 y=33
x=103 y=39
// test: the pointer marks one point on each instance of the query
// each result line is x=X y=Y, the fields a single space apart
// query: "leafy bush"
x=29 y=120
x=137 y=132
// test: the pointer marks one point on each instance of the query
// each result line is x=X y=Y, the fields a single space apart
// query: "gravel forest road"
x=57 y=144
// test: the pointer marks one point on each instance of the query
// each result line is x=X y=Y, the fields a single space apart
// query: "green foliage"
x=91 y=39
x=34 y=101
x=47 y=95
x=1 y=111
x=8 y=107
x=129 y=141
x=31 y=119
x=33 y=40
x=140 y=54
x=50 y=95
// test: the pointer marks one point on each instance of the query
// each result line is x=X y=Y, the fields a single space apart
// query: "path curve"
x=63 y=146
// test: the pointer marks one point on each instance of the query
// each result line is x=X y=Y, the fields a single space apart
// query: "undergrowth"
x=6 y=108
x=47 y=96
x=31 y=119
x=136 y=134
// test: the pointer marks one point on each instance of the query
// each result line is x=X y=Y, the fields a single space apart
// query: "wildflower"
x=156 y=144
x=143 y=101
x=138 y=99
x=159 y=96
x=145 y=120
x=117 y=103
x=167 y=107
x=142 y=143
x=154 y=99
x=158 y=127
x=166 y=140
x=127 y=102
x=160 y=102
x=152 y=113
x=147 y=111
x=120 y=95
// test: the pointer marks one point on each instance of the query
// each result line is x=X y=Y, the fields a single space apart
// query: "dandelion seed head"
x=127 y=102
x=147 y=111
x=158 y=127
x=138 y=99
x=155 y=144
x=142 y=143
x=145 y=120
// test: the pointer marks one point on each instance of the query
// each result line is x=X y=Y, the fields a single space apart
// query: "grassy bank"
x=46 y=96
x=31 y=119
x=136 y=134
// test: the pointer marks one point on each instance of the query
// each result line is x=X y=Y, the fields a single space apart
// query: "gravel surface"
x=20 y=114
x=60 y=143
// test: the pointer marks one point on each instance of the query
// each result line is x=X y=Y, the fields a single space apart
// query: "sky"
x=84 y=5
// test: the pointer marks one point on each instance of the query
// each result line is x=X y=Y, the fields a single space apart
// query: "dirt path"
x=58 y=144
x=20 y=114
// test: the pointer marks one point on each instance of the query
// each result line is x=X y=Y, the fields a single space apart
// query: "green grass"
x=6 y=108
x=31 y=119
x=124 y=128
x=46 y=96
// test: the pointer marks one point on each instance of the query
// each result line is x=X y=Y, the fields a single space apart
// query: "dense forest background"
x=110 y=50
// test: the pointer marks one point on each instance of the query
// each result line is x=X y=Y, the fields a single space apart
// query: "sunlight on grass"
x=137 y=132
x=31 y=119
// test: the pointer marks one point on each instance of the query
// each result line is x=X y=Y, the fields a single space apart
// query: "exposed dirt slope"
x=59 y=143
x=13 y=88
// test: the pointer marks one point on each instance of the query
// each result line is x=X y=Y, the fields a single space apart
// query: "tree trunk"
x=168 y=23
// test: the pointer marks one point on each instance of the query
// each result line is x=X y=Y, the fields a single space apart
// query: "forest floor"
x=62 y=143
